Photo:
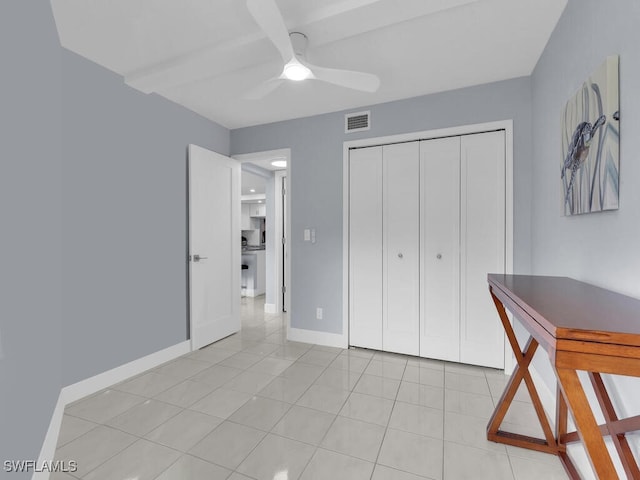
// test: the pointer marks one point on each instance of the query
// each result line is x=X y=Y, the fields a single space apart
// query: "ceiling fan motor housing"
x=299 y=43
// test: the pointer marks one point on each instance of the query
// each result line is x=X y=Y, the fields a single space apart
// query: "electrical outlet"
x=313 y=235
x=319 y=313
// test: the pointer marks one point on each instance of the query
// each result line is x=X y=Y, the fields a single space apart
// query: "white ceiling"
x=251 y=181
x=205 y=54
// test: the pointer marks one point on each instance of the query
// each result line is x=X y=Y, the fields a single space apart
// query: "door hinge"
x=284 y=289
x=284 y=240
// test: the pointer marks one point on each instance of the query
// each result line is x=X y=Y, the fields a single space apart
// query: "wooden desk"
x=581 y=327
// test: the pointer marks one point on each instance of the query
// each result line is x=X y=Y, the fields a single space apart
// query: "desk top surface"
x=573 y=310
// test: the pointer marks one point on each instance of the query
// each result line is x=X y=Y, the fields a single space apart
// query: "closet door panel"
x=440 y=248
x=482 y=246
x=401 y=263
x=365 y=247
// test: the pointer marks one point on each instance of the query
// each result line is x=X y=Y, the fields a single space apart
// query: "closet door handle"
x=400 y=255
x=439 y=256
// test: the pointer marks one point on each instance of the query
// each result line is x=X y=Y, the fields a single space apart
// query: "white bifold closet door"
x=462 y=231
x=426 y=225
x=401 y=248
x=365 y=247
x=440 y=234
x=384 y=280
x=482 y=245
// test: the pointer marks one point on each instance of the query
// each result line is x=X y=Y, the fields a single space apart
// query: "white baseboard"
x=47 y=453
x=319 y=338
x=89 y=386
x=270 y=308
x=98 y=382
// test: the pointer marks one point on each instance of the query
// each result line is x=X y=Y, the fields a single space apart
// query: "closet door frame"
x=506 y=125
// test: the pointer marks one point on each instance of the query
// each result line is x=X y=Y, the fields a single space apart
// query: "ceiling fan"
x=292 y=47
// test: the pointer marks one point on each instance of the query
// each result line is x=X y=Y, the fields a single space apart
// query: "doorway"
x=254 y=226
x=274 y=165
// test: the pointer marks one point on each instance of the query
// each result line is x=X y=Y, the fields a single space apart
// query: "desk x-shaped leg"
x=549 y=444
x=616 y=428
x=590 y=433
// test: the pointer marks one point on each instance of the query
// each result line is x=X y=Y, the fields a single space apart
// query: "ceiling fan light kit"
x=296 y=71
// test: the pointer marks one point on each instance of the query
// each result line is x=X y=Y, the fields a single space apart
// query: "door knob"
x=400 y=255
x=197 y=258
x=439 y=256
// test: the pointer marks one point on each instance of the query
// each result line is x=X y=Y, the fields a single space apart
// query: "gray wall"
x=316 y=179
x=124 y=203
x=93 y=201
x=30 y=228
x=600 y=248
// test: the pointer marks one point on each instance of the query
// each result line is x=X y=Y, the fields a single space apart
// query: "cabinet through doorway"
x=427 y=221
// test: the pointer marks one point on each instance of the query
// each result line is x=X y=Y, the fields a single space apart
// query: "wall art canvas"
x=590 y=169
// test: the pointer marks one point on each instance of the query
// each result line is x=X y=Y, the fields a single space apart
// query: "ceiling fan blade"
x=268 y=16
x=263 y=89
x=365 y=82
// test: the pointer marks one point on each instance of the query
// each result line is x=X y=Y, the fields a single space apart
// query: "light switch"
x=313 y=235
x=307 y=235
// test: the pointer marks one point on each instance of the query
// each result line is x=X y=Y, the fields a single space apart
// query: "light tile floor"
x=256 y=406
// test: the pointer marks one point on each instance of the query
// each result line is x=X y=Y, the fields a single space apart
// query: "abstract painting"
x=590 y=168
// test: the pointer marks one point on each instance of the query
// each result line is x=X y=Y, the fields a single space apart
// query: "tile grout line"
x=513 y=473
x=386 y=429
x=291 y=406
x=334 y=418
x=182 y=410
x=269 y=432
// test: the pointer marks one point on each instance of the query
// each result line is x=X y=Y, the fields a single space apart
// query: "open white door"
x=214 y=246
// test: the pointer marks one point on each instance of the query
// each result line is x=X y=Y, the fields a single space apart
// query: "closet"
x=426 y=225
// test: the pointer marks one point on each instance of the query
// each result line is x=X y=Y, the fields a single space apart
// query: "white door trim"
x=506 y=125
x=281 y=233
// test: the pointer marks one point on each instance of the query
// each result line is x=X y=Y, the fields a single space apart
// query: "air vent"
x=356 y=122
